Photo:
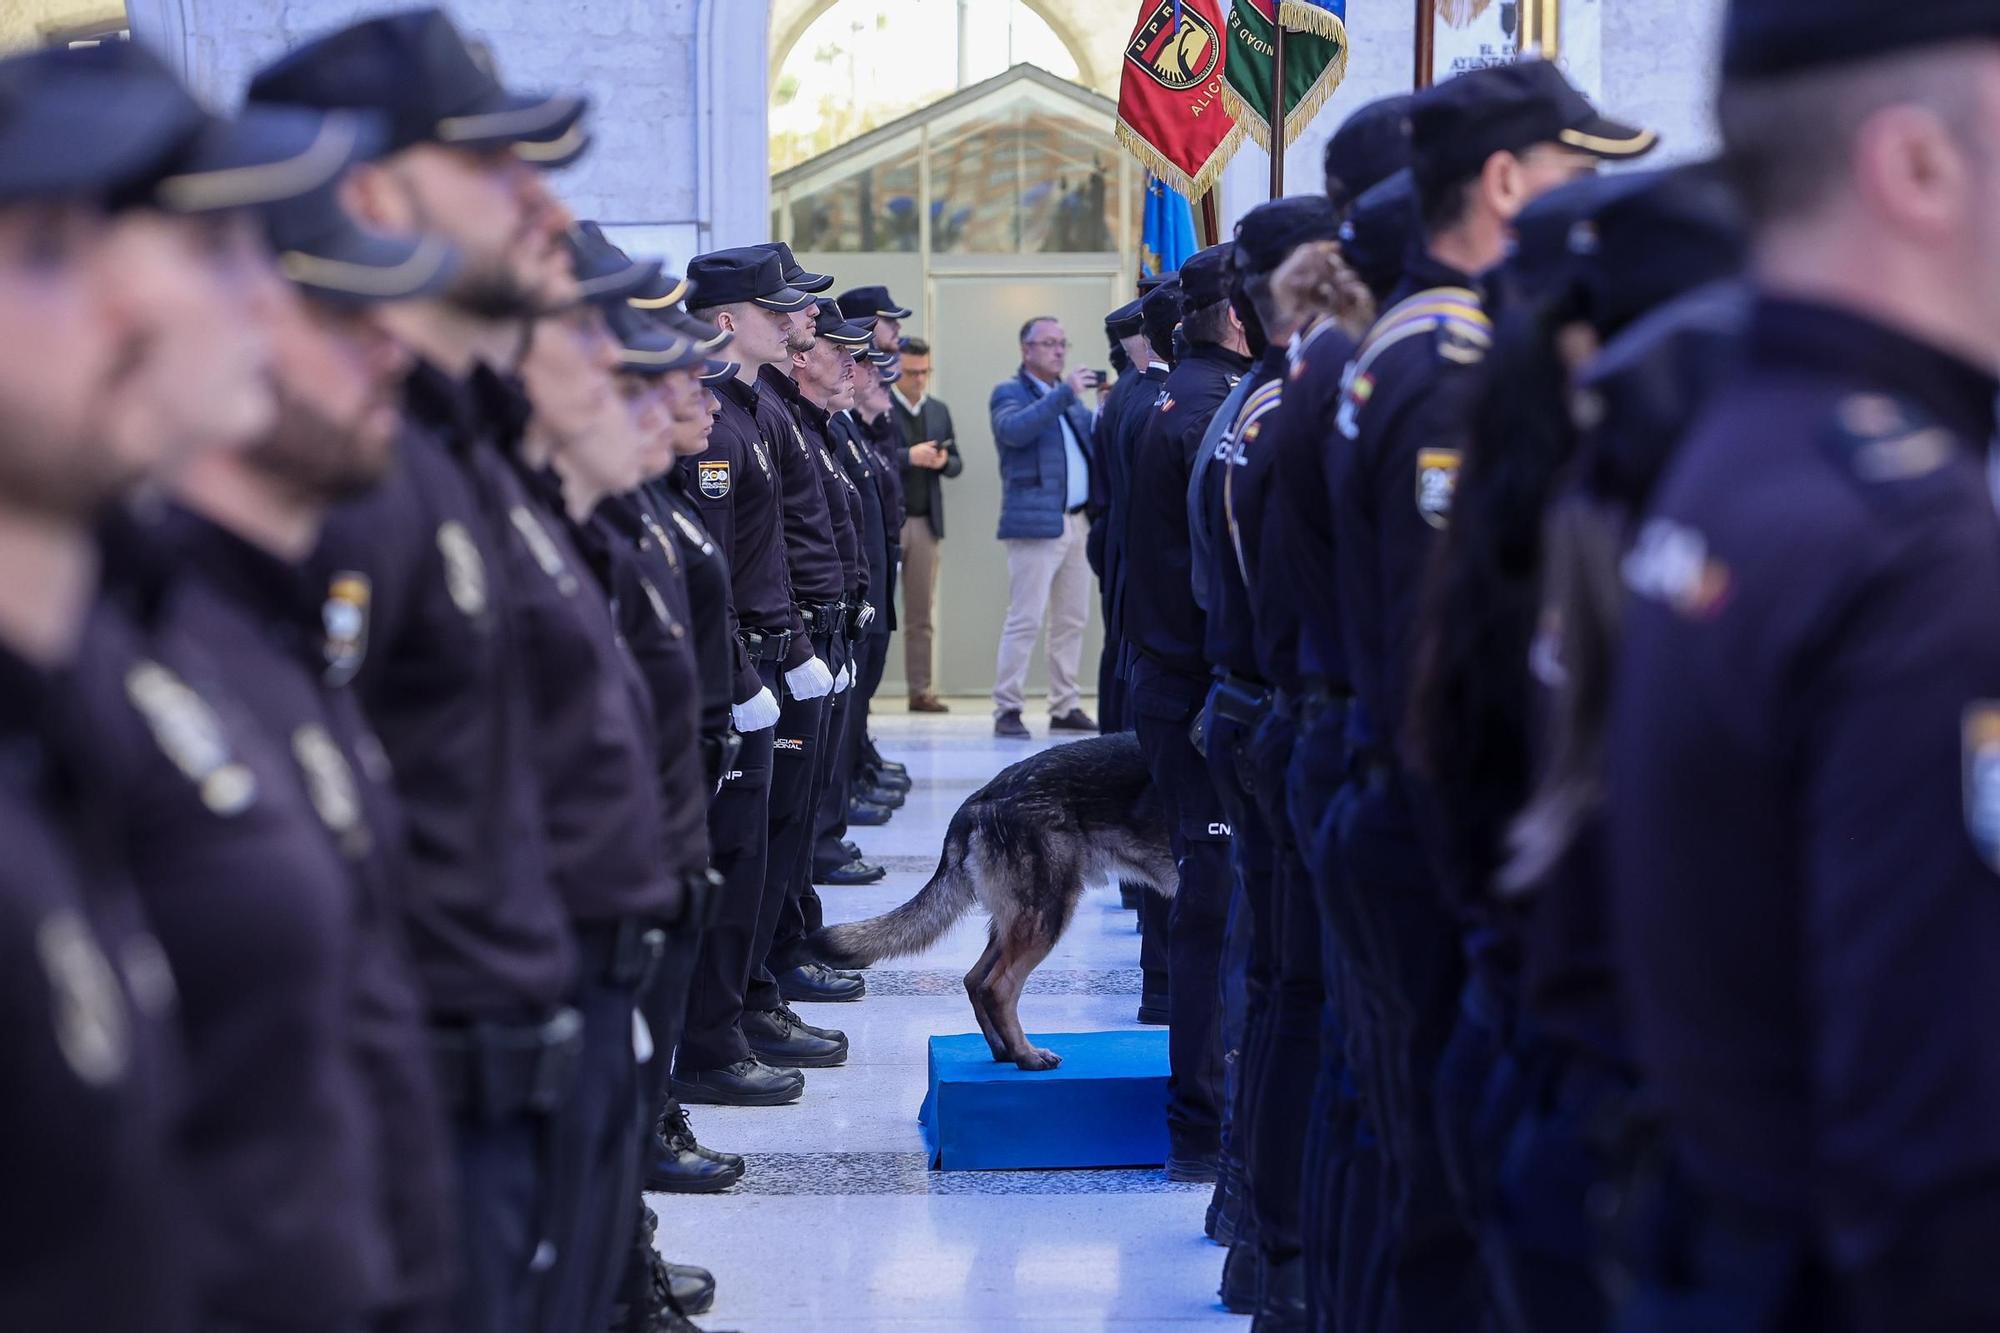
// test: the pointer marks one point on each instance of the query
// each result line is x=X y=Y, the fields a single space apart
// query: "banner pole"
x=1210 y=221
x=1278 y=111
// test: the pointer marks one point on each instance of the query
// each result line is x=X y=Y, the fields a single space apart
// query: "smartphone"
x=1100 y=378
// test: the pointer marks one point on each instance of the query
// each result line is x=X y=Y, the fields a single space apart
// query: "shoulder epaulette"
x=1453 y=313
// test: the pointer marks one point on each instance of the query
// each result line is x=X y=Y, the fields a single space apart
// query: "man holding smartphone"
x=929 y=455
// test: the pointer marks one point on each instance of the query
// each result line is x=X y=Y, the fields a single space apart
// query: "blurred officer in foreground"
x=1281 y=1030
x=92 y=1070
x=1484 y=145
x=433 y=635
x=1168 y=685
x=1803 y=738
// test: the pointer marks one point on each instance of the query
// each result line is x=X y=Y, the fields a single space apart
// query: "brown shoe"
x=928 y=703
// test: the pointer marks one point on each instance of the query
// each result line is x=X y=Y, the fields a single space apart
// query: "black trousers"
x=1165 y=705
x=797 y=766
x=598 y=1165
x=505 y=1178
x=844 y=727
x=739 y=831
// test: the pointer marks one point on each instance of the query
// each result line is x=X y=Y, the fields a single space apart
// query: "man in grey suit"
x=929 y=456
x=1043 y=429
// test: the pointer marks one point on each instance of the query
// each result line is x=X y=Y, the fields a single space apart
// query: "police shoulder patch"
x=344 y=622
x=713 y=477
x=1437 y=479
x=1979 y=743
x=191 y=736
x=464 y=568
x=1884 y=439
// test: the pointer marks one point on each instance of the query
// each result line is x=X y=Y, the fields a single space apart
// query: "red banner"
x=1170 y=111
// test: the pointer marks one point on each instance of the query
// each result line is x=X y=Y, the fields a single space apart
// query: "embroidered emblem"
x=188 y=732
x=86 y=1007
x=714 y=476
x=331 y=787
x=464 y=568
x=1437 y=478
x=344 y=622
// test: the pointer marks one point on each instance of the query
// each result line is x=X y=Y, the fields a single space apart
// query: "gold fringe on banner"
x=1302 y=17
x=1300 y=114
x=1193 y=187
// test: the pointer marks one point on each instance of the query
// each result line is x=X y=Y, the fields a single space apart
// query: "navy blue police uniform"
x=876 y=444
x=1169 y=683
x=1108 y=477
x=442 y=680
x=1790 y=685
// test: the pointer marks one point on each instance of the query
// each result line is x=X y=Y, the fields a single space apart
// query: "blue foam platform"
x=1104 y=1105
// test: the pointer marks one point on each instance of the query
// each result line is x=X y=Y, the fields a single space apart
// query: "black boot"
x=745 y=1083
x=779 y=1036
x=680 y=1165
x=1282 y=1308
x=1242 y=1279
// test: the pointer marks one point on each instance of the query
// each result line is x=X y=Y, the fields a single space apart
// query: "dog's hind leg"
x=977 y=983
x=1028 y=943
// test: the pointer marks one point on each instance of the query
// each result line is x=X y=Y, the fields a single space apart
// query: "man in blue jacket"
x=1043 y=429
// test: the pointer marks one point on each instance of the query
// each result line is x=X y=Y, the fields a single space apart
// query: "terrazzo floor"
x=839 y=1224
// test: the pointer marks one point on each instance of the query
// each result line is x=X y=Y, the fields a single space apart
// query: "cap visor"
x=668 y=289
x=1605 y=138
x=785 y=298
x=718 y=371
x=538 y=120
x=618 y=286
x=848 y=335
x=811 y=282
x=655 y=352
x=362 y=267
x=557 y=153
x=894 y=312
x=265 y=155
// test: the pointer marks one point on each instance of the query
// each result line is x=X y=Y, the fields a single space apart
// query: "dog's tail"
x=913 y=926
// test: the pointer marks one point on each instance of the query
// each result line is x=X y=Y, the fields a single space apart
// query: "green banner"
x=1315 y=63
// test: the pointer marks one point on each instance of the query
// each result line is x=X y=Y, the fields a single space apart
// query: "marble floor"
x=838 y=1223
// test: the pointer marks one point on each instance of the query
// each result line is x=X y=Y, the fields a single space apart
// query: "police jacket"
x=812 y=548
x=269 y=642
x=93 y=1072
x=1295 y=607
x=1161 y=617
x=649 y=599
x=736 y=485
x=1116 y=441
x=1404 y=417
x=421 y=617
x=1805 y=752
x=1034 y=461
x=593 y=721
x=924 y=487
x=260 y=919
x=843 y=504
x=1233 y=500
x=859 y=463
x=668 y=504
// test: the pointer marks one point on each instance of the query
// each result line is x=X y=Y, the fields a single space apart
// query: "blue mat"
x=1104 y=1105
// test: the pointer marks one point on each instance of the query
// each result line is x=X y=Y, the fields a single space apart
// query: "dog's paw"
x=1036 y=1060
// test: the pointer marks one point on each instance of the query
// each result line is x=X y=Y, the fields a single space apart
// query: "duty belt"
x=765 y=645
x=824 y=617
x=496 y=1071
x=618 y=953
x=1241 y=700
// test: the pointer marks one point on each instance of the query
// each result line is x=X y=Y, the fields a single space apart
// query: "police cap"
x=66 y=133
x=796 y=274
x=1159 y=311
x=718 y=372
x=1150 y=281
x=1546 y=253
x=334 y=258
x=873 y=301
x=1124 y=322
x=697 y=330
x=835 y=327
x=1762 y=38
x=432 y=86
x=645 y=346
x=1370 y=146
x=1656 y=235
x=746 y=273
x=1204 y=277
x=605 y=274
x=1268 y=233
x=1379 y=231
x=1457 y=125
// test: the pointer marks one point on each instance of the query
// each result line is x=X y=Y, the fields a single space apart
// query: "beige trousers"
x=1047 y=578
x=921 y=553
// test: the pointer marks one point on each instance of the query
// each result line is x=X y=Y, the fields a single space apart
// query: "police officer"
x=1813 y=703
x=1130 y=356
x=873 y=425
x=1168 y=683
x=436 y=643
x=92 y=1061
x=738 y=486
x=1483 y=145
x=1277 y=1069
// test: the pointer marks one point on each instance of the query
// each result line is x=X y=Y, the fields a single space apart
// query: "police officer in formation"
x=393 y=627
x=1597 y=723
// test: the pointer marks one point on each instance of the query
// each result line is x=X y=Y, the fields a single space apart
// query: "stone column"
x=677 y=89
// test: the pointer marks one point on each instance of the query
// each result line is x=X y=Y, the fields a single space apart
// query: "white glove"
x=811 y=681
x=843 y=680
x=756 y=713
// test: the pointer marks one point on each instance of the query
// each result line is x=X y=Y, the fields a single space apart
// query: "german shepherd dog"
x=1024 y=846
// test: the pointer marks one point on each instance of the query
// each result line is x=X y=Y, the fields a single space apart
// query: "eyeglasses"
x=1061 y=344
